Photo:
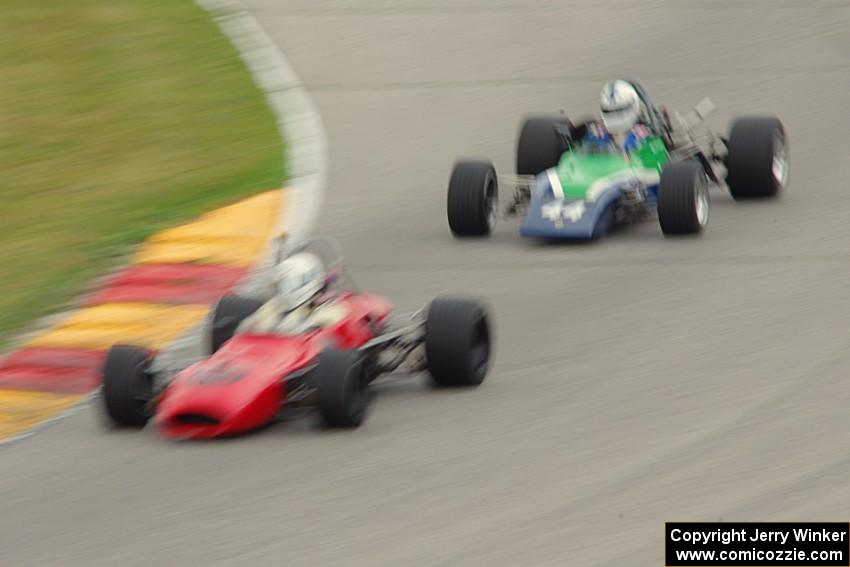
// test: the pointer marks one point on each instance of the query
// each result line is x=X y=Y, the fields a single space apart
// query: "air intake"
x=195 y=419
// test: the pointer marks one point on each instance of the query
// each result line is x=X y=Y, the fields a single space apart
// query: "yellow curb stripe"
x=20 y=411
x=234 y=235
x=200 y=252
x=101 y=326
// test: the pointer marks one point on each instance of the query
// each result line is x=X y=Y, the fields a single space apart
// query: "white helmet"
x=299 y=279
x=621 y=106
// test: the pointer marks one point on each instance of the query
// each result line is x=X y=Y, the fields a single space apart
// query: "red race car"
x=317 y=342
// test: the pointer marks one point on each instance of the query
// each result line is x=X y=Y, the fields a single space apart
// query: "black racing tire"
x=341 y=384
x=539 y=146
x=127 y=385
x=683 y=198
x=225 y=316
x=457 y=342
x=473 y=197
x=752 y=169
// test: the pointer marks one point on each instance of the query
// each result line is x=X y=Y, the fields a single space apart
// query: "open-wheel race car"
x=314 y=343
x=577 y=181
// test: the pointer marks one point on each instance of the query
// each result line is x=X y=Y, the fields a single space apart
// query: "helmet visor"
x=620 y=119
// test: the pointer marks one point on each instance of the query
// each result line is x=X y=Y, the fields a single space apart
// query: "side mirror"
x=565 y=133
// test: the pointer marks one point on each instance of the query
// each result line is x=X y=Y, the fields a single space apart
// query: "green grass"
x=117 y=118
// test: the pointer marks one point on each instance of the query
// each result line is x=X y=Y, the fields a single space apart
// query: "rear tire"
x=539 y=146
x=757 y=158
x=226 y=315
x=341 y=385
x=473 y=198
x=683 y=198
x=457 y=342
x=127 y=385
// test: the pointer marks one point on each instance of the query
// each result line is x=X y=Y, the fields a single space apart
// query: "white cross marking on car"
x=557 y=211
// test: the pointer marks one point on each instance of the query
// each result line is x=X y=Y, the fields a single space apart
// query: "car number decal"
x=558 y=211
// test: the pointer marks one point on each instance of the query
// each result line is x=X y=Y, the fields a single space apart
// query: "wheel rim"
x=490 y=205
x=701 y=201
x=141 y=389
x=480 y=348
x=780 y=161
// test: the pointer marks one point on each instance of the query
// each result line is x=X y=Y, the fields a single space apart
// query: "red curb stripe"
x=169 y=284
x=70 y=371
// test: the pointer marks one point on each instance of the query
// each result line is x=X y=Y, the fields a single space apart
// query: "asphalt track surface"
x=638 y=380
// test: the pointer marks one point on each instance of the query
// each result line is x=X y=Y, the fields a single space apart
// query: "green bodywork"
x=579 y=169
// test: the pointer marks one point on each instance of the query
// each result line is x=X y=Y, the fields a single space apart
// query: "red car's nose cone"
x=218 y=411
x=240 y=388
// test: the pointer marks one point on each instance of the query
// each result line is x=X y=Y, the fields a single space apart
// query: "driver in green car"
x=624 y=120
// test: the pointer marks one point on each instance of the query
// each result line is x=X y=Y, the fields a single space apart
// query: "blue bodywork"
x=575 y=219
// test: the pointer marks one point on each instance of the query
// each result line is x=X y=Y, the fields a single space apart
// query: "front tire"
x=757 y=158
x=341 y=385
x=539 y=146
x=683 y=198
x=457 y=342
x=127 y=385
x=226 y=315
x=472 y=203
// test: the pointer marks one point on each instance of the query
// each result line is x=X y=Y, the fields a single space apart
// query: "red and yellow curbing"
x=175 y=276
x=23 y=410
x=235 y=235
x=100 y=326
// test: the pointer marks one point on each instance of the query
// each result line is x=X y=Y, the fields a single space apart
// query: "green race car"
x=574 y=183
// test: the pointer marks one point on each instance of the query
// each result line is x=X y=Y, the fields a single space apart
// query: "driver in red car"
x=299 y=302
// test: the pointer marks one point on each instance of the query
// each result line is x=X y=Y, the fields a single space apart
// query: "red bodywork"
x=242 y=386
